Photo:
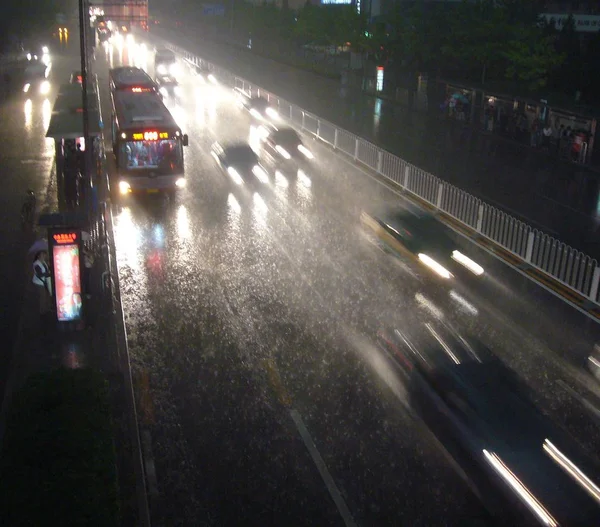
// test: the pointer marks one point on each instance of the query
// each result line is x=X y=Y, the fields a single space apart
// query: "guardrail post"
x=440 y=195
x=529 y=251
x=379 y=161
x=595 y=281
x=480 y=218
x=355 y=149
x=335 y=139
x=303 y=116
x=319 y=128
x=406 y=175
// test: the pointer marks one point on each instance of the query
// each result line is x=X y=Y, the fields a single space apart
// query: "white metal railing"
x=572 y=268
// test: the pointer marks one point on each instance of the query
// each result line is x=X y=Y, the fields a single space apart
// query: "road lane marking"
x=334 y=492
x=286 y=400
x=276 y=383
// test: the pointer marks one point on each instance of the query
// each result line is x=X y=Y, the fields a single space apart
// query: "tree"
x=25 y=18
x=531 y=59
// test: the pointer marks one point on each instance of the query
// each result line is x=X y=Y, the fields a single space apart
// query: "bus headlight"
x=306 y=152
x=212 y=78
x=161 y=69
x=164 y=92
x=180 y=182
x=124 y=187
x=272 y=113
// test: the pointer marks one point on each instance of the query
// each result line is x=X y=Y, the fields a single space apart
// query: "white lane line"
x=334 y=492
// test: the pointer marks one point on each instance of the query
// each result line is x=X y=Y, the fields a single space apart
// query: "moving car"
x=284 y=144
x=168 y=87
x=526 y=469
x=76 y=78
x=419 y=235
x=240 y=162
x=165 y=63
x=258 y=107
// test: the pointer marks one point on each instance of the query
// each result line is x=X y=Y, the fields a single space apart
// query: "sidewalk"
x=554 y=196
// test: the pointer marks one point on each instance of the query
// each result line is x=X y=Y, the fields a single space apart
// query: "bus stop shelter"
x=66 y=126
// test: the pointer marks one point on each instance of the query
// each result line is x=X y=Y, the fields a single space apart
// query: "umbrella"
x=38 y=245
x=460 y=97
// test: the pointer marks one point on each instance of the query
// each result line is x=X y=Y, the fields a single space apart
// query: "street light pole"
x=83 y=20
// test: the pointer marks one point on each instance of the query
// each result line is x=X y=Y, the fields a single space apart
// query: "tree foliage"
x=24 y=18
x=330 y=25
x=483 y=39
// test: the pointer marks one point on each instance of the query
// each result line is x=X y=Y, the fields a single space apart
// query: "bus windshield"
x=165 y=155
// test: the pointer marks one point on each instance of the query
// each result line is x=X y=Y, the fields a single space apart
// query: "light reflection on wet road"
x=228 y=288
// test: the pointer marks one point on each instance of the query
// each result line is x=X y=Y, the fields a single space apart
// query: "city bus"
x=147 y=143
x=128 y=77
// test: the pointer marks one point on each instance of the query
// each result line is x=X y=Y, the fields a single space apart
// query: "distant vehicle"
x=76 y=78
x=37 y=63
x=420 y=236
x=169 y=87
x=258 y=107
x=147 y=143
x=165 y=63
x=202 y=70
x=240 y=162
x=131 y=79
x=284 y=144
x=527 y=470
x=104 y=34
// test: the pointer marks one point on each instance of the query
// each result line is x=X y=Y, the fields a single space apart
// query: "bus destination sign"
x=150 y=136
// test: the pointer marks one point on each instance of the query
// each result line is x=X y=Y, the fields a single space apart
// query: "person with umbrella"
x=42 y=281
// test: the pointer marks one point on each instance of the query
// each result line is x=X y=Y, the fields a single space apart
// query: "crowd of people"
x=543 y=131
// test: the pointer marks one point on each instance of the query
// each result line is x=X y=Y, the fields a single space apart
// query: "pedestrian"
x=43 y=285
x=547 y=135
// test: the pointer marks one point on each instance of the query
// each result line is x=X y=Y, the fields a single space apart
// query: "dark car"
x=284 y=144
x=527 y=470
x=168 y=87
x=419 y=235
x=240 y=162
x=258 y=107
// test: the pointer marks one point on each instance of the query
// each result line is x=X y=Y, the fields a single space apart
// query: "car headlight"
x=161 y=69
x=26 y=87
x=465 y=261
x=283 y=152
x=255 y=113
x=45 y=49
x=174 y=70
x=260 y=174
x=124 y=187
x=308 y=154
x=272 y=113
x=44 y=87
x=164 y=92
x=434 y=266
x=181 y=182
x=178 y=90
x=212 y=78
x=235 y=175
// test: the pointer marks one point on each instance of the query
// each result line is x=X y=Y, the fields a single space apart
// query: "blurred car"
x=37 y=65
x=169 y=87
x=204 y=71
x=165 y=63
x=240 y=162
x=258 y=107
x=284 y=144
x=593 y=362
x=76 y=78
x=420 y=236
x=527 y=470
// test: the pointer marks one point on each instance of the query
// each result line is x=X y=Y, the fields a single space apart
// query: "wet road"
x=254 y=314
x=557 y=197
x=26 y=161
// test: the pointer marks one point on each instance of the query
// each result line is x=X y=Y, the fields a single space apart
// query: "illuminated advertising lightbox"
x=67 y=275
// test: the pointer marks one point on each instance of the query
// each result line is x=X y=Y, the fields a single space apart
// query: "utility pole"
x=87 y=161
